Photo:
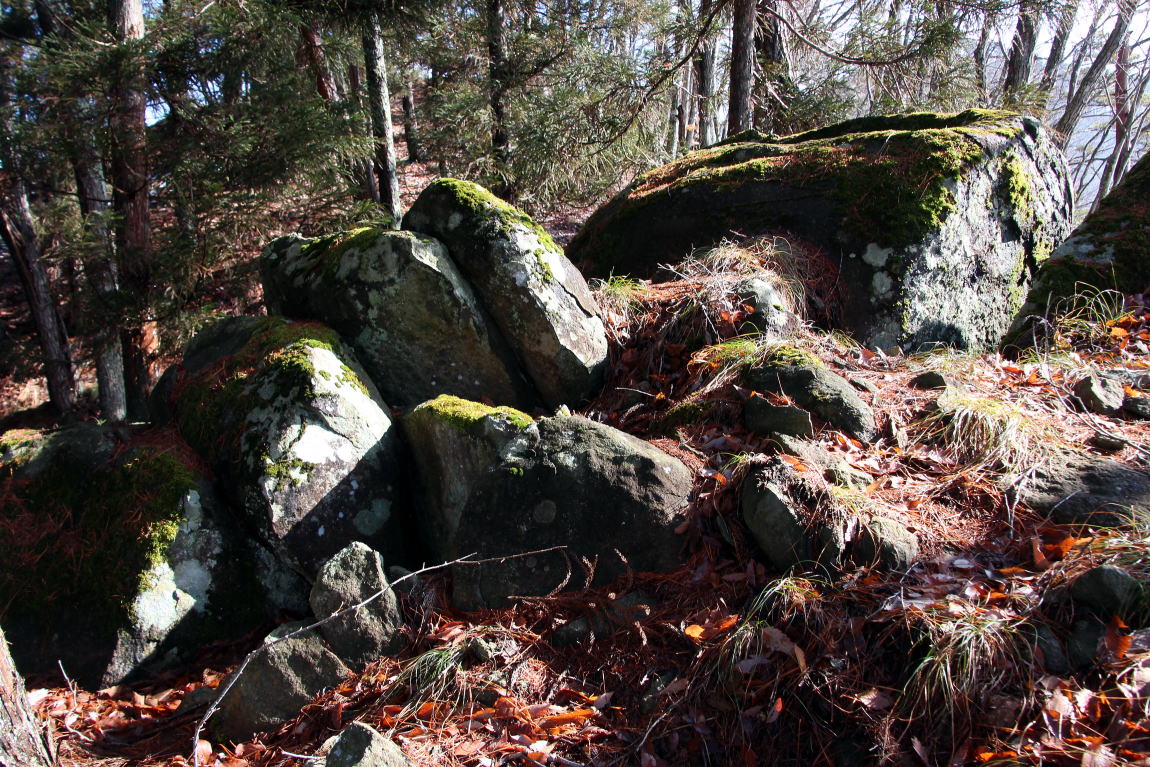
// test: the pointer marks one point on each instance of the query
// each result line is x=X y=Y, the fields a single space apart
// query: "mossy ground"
x=74 y=536
x=466 y=415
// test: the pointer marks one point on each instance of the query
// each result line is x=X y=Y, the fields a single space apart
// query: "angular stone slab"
x=403 y=304
x=538 y=298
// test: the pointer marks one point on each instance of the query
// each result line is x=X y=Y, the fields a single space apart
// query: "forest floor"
x=722 y=662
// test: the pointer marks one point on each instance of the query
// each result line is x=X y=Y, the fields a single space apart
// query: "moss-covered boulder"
x=116 y=555
x=538 y=298
x=454 y=441
x=298 y=435
x=402 y=303
x=1107 y=251
x=935 y=222
x=601 y=495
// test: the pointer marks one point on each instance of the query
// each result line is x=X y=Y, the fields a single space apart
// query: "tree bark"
x=379 y=102
x=1122 y=116
x=1076 y=101
x=411 y=123
x=980 y=58
x=499 y=74
x=129 y=161
x=705 y=82
x=22 y=740
x=1021 y=56
x=739 y=114
x=364 y=168
x=775 y=86
x=1058 y=45
x=317 y=62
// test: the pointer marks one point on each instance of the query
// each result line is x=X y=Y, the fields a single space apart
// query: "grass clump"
x=986 y=431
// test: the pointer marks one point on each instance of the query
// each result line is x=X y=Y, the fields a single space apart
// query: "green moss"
x=692 y=410
x=482 y=204
x=545 y=268
x=465 y=415
x=90 y=537
x=794 y=357
x=287 y=470
x=1017 y=190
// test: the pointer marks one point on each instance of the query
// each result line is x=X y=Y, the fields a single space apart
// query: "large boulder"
x=279 y=681
x=454 y=441
x=298 y=435
x=538 y=298
x=574 y=483
x=1076 y=488
x=352 y=576
x=118 y=539
x=1108 y=249
x=935 y=222
x=402 y=303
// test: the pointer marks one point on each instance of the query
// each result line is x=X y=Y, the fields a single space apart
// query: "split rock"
x=354 y=574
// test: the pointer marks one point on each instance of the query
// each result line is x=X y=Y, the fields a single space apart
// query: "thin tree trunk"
x=129 y=160
x=1058 y=45
x=411 y=123
x=1021 y=56
x=379 y=102
x=363 y=169
x=775 y=84
x=23 y=742
x=980 y=59
x=498 y=76
x=317 y=62
x=705 y=82
x=1076 y=101
x=739 y=114
x=1122 y=117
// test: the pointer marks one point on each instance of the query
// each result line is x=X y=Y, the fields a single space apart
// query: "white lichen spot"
x=881 y=284
x=320 y=532
x=876 y=256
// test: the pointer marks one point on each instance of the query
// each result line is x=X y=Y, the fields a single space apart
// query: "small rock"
x=1107 y=443
x=1100 y=395
x=1107 y=590
x=1137 y=407
x=618 y=612
x=1054 y=660
x=886 y=540
x=774 y=503
x=764 y=418
x=361 y=746
x=277 y=684
x=864 y=384
x=834 y=469
x=352 y=575
x=931 y=379
x=771 y=312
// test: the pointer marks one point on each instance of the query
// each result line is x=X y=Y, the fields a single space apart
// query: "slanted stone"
x=361 y=745
x=804 y=378
x=949 y=262
x=351 y=576
x=298 y=436
x=278 y=682
x=931 y=379
x=886 y=540
x=402 y=303
x=763 y=417
x=454 y=441
x=1099 y=394
x=1075 y=488
x=570 y=482
x=539 y=299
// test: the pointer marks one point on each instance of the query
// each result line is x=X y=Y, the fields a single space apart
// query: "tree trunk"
x=739 y=112
x=411 y=124
x=1021 y=53
x=498 y=74
x=317 y=62
x=363 y=169
x=775 y=86
x=22 y=740
x=1076 y=101
x=379 y=102
x=1122 y=116
x=1058 y=45
x=980 y=59
x=705 y=81
x=129 y=160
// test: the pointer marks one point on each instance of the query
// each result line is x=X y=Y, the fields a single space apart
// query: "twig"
x=235 y=675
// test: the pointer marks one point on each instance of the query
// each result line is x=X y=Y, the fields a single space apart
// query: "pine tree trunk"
x=1122 y=117
x=411 y=124
x=1058 y=45
x=379 y=103
x=498 y=77
x=22 y=740
x=1021 y=56
x=129 y=161
x=739 y=112
x=363 y=169
x=317 y=62
x=705 y=81
x=775 y=84
x=1076 y=101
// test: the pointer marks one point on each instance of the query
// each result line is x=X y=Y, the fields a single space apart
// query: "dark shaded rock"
x=277 y=684
x=1108 y=591
x=1084 y=642
x=298 y=435
x=614 y=614
x=762 y=417
x=931 y=379
x=130 y=552
x=1075 y=488
x=1107 y=251
x=1137 y=407
x=537 y=297
x=1052 y=656
x=950 y=262
x=813 y=386
x=354 y=574
x=402 y=303
x=771 y=309
x=360 y=745
x=1100 y=395
x=454 y=441
x=774 y=506
x=568 y=481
